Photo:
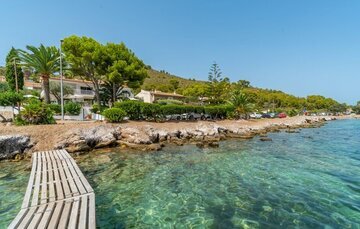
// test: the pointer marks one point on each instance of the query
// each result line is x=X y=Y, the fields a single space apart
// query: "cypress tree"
x=10 y=71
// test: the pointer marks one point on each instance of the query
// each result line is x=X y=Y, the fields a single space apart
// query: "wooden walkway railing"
x=57 y=196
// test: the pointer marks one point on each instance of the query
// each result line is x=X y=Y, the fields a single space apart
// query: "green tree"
x=175 y=84
x=4 y=87
x=218 y=87
x=243 y=84
x=55 y=90
x=10 y=98
x=44 y=61
x=242 y=104
x=82 y=54
x=120 y=66
x=13 y=71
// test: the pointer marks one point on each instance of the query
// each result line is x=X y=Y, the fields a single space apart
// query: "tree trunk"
x=46 y=88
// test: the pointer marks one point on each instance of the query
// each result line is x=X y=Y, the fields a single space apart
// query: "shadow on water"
x=222 y=215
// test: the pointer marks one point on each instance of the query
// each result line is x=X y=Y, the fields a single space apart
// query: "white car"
x=255 y=115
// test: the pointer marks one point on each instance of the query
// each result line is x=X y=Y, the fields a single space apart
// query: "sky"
x=300 y=47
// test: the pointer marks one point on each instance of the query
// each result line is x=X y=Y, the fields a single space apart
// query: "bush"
x=10 y=98
x=114 y=114
x=150 y=111
x=172 y=109
x=292 y=112
x=35 y=113
x=72 y=108
x=96 y=109
x=56 y=108
x=169 y=101
x=220 y=111
x=132 y=108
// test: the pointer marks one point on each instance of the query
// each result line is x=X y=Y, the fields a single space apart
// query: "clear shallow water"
x=13 y=181
x=305 y=180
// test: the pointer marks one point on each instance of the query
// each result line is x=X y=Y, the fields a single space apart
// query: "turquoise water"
x=14 y=177
x=305 y=180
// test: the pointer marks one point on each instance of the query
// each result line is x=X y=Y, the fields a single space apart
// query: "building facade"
x=153 y=96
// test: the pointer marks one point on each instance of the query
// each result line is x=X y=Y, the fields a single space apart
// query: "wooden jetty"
x=57 y=196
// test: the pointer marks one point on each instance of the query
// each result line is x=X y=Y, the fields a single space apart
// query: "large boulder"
x=12 y=145
x=83 y=140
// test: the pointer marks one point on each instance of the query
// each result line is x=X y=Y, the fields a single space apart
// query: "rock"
x=154 y=147
x=265 y=139
x=214 y=144
x=84 y=140
x=136 y=136
x=12 y=145
x=291 y=131
x=200 y=144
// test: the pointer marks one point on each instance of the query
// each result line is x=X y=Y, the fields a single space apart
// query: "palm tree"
x=45 y=61
x=242 y=104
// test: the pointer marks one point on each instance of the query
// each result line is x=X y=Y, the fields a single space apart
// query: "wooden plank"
x=63 y=177
x=29 y=188
x=92 y=214
x=70 y=178
x=81 y=175
x=28 y=217
x=56 y=171
x=65 y=215
x=35 y=198
x=52 y=196
x=44 y=188
x=74 y=175
x=54 y=221
x=37 y=216
x=46 y=216
x=58 y=184
x=18 y=218
x=83 y=212
x=74 y=213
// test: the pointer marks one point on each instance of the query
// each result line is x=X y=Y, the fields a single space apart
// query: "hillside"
x=165 y=81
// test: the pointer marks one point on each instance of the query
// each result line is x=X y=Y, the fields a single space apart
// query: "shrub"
x=132 y=108
x=150 y=110
x=169 y=101
x=292 y=113
x=36 y=113
x=220 y=111
x=96 y=109
x=10 y=98
x=56 y=108
x=114 y=114
x=172 y=109
x=72 y=108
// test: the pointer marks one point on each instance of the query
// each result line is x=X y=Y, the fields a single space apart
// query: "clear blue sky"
x=300 y=47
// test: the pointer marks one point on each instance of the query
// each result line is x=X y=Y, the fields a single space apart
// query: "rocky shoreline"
x=152 y=137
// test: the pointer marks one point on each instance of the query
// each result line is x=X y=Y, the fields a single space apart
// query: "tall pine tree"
x=11 y=59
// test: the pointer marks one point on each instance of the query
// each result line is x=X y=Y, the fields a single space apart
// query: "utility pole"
x=16 y=83
x=61 y=83
x=16 y=77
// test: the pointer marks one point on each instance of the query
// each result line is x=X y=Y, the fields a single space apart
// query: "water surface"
x=305 y=180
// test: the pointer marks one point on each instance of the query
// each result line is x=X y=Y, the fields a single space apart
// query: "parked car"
x=193 y=116
x=282 y=115
x=255 y=115
x=266 y=115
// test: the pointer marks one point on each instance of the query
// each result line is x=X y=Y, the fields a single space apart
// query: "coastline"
x=80 y=137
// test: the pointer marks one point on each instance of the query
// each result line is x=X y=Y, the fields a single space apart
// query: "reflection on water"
x=305 y=180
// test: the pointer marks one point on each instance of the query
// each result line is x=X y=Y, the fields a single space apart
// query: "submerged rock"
x=13 y=145
x=265 y=139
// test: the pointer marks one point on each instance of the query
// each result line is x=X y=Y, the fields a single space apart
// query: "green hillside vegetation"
x=166 y=82
x=263 y=99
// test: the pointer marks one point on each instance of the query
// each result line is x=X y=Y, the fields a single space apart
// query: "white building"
x=152 y=96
